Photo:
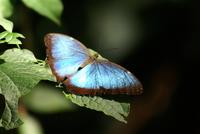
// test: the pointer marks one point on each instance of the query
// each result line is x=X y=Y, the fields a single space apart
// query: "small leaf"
x=51 y=9
x=18 y=74
x=2 y=41
x=6 y=8
x=3 y=34
x=6 y=24
x=10 y=38
x=109 y=107
x=14 y=41
x=16 y=35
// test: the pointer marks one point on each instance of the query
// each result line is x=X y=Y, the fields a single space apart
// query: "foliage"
x=51 y=9
x=6 y=10
x=10 y=38
x=20 y=71
x=109 y=107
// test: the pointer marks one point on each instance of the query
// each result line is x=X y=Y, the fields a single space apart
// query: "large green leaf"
x=109 y=107
x=51 y=9
x=11 y=93
x=53 y=100
x=19 y=72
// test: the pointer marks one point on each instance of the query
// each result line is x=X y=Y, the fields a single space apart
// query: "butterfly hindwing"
x=103 y=77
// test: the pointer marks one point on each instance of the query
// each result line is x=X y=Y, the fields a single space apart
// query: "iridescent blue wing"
x=86 y=71
x=65 y=54
x=103 y=77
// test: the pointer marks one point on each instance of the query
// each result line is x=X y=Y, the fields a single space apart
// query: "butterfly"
x=83 y=71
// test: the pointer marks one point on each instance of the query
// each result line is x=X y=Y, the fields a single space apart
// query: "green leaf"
x=18 y=55
x=19 y=73
x=6 y=8
x=52 y=100
x=109 y=107
x=6 y=24
x=10 y=38
x=30 y=126
x=11 y=93
x=16 y=35
x=3 y=34
x=14 y=41
x=51 y=9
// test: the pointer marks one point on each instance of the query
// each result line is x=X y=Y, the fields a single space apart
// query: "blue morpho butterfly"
x=83 y=71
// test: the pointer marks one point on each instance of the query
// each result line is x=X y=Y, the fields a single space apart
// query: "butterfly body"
x=84 y=71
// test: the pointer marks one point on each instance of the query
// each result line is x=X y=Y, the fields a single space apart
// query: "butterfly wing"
x=103 y=77
x=65 y=54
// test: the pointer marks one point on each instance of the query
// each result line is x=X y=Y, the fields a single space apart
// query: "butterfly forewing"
x=64 y=54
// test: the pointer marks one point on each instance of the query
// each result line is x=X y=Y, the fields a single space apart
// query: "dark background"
x=156 y=40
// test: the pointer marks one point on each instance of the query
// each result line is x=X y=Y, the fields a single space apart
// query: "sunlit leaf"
x=6 y=8
x=3 y=34
x=109 y=107
x=19 y=73
x=6 y=24
x=14 y=41
x=10 y=38
x=51 y=9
